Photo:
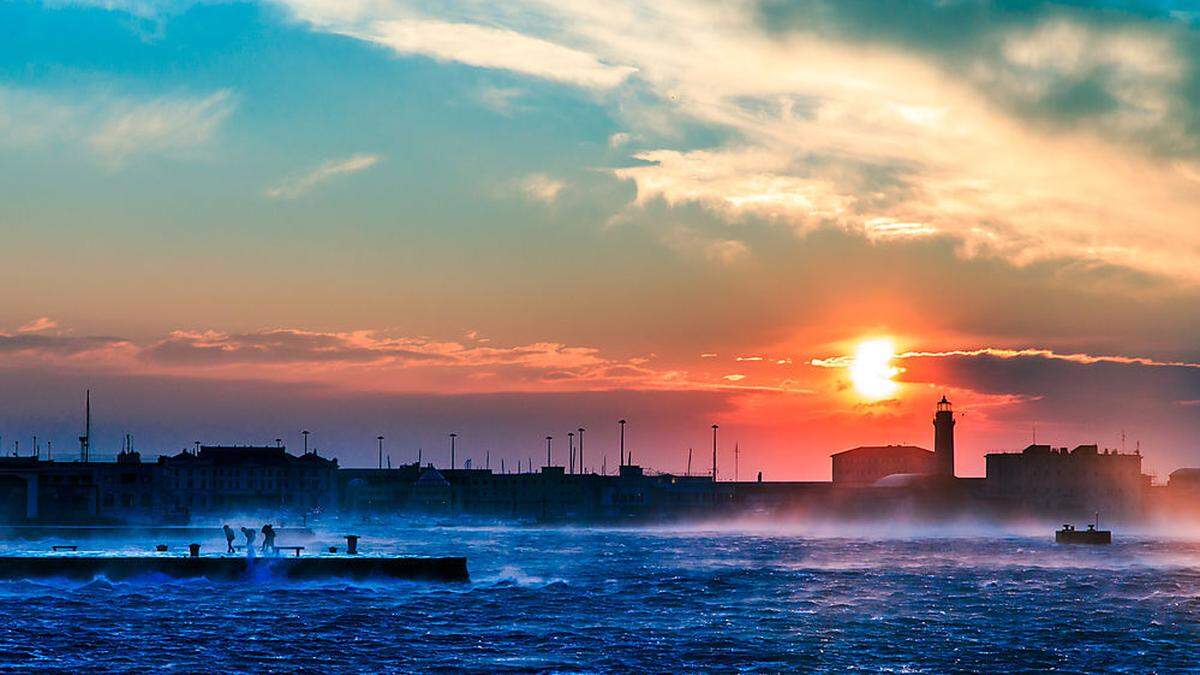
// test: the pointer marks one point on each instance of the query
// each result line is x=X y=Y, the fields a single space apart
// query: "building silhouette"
x=1077 y=482
x=875 y=482
x=865 y=465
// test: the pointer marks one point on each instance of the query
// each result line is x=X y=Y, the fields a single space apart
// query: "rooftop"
x=883 y=449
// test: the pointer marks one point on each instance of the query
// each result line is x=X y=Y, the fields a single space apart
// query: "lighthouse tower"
x=943 y=439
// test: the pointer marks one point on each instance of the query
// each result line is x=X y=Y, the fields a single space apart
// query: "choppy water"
x=657 y=600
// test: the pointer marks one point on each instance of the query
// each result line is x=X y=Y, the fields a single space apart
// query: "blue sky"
x=684 y=204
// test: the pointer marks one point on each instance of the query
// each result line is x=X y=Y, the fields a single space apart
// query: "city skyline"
x=233 y=221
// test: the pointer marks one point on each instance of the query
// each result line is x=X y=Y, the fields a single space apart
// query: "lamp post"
x=305 y=434
x=714 y=468
x=581 y=464
x=548 y=441
x=452 y=437
x=622 y=425
x=571 y=446
x=380 y=439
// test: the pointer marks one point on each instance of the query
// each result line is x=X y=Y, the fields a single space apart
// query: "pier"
x=73 y=532
x=218 y=568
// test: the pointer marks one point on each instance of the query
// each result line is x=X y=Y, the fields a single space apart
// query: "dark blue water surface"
x=667 y=599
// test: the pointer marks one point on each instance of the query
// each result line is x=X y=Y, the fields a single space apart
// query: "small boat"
x=1069 y=535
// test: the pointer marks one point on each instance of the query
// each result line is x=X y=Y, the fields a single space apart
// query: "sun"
x=872 y=370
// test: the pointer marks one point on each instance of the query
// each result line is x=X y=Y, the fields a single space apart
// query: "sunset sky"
x=802 y=221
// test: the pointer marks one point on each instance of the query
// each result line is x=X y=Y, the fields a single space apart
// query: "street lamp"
x=622 y=423
x=714 y=468
x=571 y=447
x=581 y=464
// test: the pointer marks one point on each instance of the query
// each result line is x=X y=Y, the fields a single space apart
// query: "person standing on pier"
x=229 y=537
x=249 y=534
x=268 y=544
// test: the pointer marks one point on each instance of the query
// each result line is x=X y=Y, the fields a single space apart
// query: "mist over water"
x=701 y=596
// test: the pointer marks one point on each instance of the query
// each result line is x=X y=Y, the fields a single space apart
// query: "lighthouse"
x=943 y=439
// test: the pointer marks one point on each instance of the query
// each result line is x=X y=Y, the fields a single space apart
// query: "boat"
x=1069 y=535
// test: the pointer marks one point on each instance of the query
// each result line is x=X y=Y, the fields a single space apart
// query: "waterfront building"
x=869 y=482
x=431 y=491
x=224 y=479
x=1067 y=483
x=1184 y=482
x=376 y=490
x=127 y=490
x=19 y=483
x=866 y=465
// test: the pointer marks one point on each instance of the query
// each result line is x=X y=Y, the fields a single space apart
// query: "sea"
x=680 y=598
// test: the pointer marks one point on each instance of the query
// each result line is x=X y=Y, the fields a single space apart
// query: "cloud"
x=160 y=126
x=282 y=346
x=145 y=9
x=365 y=359
x=38 y=325
x=298 y=185
x=719 y=250
x=23 y=347
x=886 y=228
x=1086 y=359
x=540 y=187
x=403 y=30
x=368 y=360
x=619 y=139
x=1045 y=145
x=501 y=100
x=1000 y=353
x=1124 y=81
x=114 y=127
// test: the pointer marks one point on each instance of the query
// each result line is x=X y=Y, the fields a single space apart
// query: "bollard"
x=161 y=548
x=352 y=544
x=194 y=550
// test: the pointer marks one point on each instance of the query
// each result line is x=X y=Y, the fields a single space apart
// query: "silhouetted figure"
x=268 y=545
x=249 y=535
x=229 y=537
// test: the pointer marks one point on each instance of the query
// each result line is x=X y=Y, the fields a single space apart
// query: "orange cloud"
x=38 y=325
x=1087 y=359
x=365 y=360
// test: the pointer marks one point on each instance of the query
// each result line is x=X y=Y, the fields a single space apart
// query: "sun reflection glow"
x=872 y=370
